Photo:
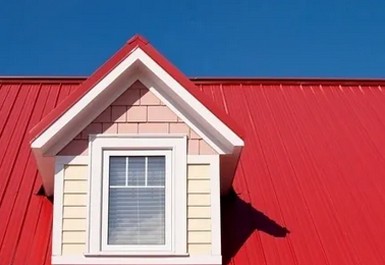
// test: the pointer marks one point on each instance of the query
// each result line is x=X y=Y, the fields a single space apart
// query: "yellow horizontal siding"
x=75 y=199
x=198 y=199
x=198 y=212
x=73 y=249
x=199 y=224
x=75 y=172
x=199 y=249
x=198 y=186
x=75 y=186
x=74 y=224
x=74 y=210
x=74 y=237
x=198 y=172
x=199 y=237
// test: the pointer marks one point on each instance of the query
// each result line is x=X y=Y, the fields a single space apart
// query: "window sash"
x=136 y=212
x=167 y=199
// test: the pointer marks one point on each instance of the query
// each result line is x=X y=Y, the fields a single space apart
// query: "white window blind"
x=136 y=200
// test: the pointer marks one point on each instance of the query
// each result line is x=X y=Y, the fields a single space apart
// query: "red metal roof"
x=313 y=163
x=25 y=218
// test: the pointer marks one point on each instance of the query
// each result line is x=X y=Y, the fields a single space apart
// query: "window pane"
x=156 y=171
x=136 y=171
x=117 y=170
x=136 y=216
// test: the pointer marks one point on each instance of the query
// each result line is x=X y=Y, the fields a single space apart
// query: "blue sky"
x=202 y=38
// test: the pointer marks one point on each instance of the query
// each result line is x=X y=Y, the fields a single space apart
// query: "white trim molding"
x=176 y=147
x=82 y=260
x=145 y=248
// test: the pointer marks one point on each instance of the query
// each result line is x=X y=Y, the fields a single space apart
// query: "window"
x=136 y=199
x=137 y=195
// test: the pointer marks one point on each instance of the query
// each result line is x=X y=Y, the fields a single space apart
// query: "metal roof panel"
x=312 y=165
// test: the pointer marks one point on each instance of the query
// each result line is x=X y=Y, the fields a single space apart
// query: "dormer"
x=136 y=159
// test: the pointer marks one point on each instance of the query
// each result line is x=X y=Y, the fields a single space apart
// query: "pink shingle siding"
x=137 y=111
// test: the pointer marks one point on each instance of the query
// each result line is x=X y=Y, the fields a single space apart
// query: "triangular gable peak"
x=136 y=61
x=137 y=111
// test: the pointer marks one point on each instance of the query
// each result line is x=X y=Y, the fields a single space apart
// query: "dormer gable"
x=137 y=60
x=136 y=159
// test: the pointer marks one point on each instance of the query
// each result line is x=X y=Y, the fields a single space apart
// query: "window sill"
x=136 y=254
x=148 y=260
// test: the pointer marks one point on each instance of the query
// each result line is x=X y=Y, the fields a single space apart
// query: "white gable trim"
x=198 y=110
x=48 y=135
x=207 y=121
x=136 y=66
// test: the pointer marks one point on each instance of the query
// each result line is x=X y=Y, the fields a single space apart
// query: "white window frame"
x=177 y=145
x=105 y=206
